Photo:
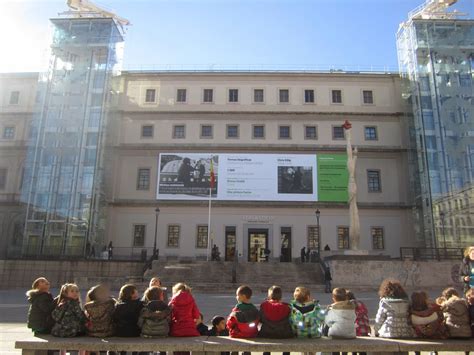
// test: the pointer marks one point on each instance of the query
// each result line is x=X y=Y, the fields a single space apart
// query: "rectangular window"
x=284 y=95
x=206 y=131
x=259 y=131
x=150 y=95
x=181 y=95
x=14 y=97
x=143 y=179
x=139 y=235
x=343 y=237
x=232 y=131
x=313 y=237
x=338 y=133
x=147 y=131
x=309 y=96
x=173 y=236
x=377 y=238
x=201 y=237
x=373 y=181
x=208 y=95
x=179 y=131
x=371 y=133
x=284 y=132
x=310 y=132
x=368 y=97
x=336 y=96
x=233 y=95
x=9 y=132
x=3 y=178
x=258 y=95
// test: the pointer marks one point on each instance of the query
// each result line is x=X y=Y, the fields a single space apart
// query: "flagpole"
x=209 y=224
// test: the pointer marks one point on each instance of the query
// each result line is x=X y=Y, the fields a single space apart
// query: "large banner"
x=252 y=177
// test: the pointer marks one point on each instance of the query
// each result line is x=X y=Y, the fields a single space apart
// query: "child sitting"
x=127 y=311
x=154 y=316
x=99 y=310
x=306 y=317
x=456 y=314
x=184 y=312
x=470 y=302
x=426 y=318
x=392 y=319
x=41 y=306
x=275 y=316
x=341 y=316
x=218 y=327
x=200 y=326
x=68 y=315
x=362 y=315
x=244 y=318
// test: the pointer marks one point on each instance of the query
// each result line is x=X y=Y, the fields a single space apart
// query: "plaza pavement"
x=14 y=308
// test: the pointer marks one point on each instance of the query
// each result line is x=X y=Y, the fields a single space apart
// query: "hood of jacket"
x=100 y=309
x=343 y=305
x=36 y=294
x=304 y=307
x=274 y=310
x=397 y=305
x=181 y=299
x=245 y=313
x=159 y=308
x=456 y=306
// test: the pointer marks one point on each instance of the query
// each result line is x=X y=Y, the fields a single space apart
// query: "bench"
x=214 y=345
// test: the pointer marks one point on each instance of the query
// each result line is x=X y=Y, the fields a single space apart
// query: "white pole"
x=209 y=225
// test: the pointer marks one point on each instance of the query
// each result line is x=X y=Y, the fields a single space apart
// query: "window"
x=310 y=132
x=181 y=95
x=9 y=132
x=232 y=131
x=285 y=132
x=373 y=181
x=233 y=95
x=208 y=95
x=206 y=131
x=173 y=236
x=284 y=95
x=150 y=95
x=143 y=179
x=377 y=238
x=336 y=96
x=343 y=237
x=368 y=97
x=201 y=237
x=309 y=96
x=3 y=178
x=258 y=95
x=313 y=237
x=179 y=131
x=259 y=131
x=139 y=235
x=338 y=132
x=14 y=97
x=371 y=133
x=147 y=131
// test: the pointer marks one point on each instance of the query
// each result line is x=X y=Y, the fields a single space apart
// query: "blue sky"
x=227 y=32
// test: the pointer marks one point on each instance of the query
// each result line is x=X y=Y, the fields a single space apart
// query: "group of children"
x=153 y=316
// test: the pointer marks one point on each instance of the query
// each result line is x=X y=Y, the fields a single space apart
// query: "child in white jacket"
x=341 y=316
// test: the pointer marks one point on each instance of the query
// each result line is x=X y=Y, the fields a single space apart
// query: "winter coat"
x=306 y=319
x=184 y=311
x=202 y=329
x=429 y=323
x=125 y=318
x=213 y=332
x=69 y=319
x=100 y=318
x=275 y=319
x=465 y=270
x=392 y=318
x=362 y=318
x=341 y=319
x=471 y=314
x=154 y=319
x=39 y=313
x=456 y=317
x=243 y=321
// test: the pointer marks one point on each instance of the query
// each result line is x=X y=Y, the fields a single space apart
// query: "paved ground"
x=13 y=310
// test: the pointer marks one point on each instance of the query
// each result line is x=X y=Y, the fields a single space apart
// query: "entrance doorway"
x=258 y=244
x=285 y=235
x=230 y=243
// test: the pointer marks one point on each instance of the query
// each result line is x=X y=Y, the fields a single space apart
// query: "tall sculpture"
x=354 y=228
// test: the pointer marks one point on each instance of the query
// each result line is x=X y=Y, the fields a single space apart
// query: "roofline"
x=259 y=72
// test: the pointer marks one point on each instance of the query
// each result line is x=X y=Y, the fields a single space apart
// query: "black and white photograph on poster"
x=188 y=174
x=295 y=180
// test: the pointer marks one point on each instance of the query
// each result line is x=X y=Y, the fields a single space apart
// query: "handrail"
x=431 y=253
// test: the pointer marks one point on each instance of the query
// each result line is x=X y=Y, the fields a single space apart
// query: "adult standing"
x=303 y=254
x=110 y=249
x=466 y=271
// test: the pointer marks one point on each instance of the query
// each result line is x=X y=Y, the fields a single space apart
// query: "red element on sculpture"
x=347 y=125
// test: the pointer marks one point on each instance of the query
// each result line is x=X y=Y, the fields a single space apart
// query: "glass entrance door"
x=229 y=243
x=285 y=236
x=258 y=242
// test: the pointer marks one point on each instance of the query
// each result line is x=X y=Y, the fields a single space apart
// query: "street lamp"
x=157 y=213
x=441 y=216
x=318 y=213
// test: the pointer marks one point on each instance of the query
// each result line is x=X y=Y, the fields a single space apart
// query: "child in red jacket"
x=184 y=312
x=243 y=321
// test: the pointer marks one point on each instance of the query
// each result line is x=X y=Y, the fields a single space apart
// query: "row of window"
x=313 y=236
x=374 y=183
x=259 y=96
x=258 y=132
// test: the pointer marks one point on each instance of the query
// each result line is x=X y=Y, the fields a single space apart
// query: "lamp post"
x=441 y=216
x=318 y=213
x=157 y=213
